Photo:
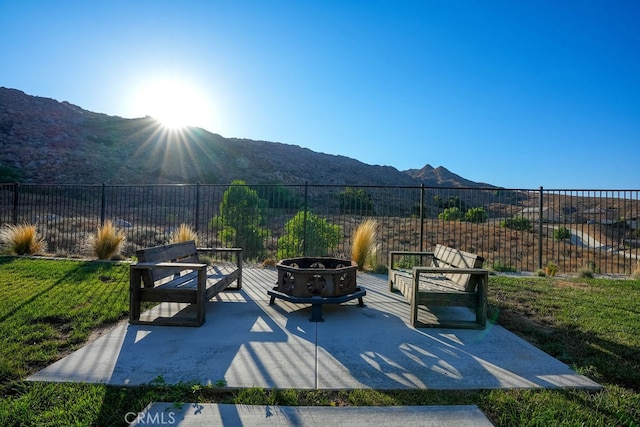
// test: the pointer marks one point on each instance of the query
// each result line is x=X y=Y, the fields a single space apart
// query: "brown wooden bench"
x=444 y=277
x=174 y=273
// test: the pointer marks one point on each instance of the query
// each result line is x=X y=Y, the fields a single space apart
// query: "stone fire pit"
x=317 y=281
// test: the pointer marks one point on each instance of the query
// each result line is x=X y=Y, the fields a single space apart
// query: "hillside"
x=46 y=141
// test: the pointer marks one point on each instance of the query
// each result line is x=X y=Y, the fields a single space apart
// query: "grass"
x=50 y=307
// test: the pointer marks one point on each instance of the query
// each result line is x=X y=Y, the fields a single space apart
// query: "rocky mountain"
x=46 y=141
x=441 y=177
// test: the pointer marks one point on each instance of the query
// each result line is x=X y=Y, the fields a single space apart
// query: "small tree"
x=321 y=236
x=516 y=223
x=278 y=196
x=450 y=214
x=476 y=215
x=356 y=202
x=451 y=202
x=561 y=233
x=240 y=219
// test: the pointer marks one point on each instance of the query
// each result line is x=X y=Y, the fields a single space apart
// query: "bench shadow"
x=195 y=354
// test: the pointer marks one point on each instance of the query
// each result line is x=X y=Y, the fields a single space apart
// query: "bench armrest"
x=237 y=251
x=171 y=265
x=451 y=270
x=219 y=249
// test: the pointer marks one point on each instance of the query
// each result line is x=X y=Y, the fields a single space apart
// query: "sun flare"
x=174 y=103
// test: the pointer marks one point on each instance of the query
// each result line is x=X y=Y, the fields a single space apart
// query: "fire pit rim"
x=347 y=264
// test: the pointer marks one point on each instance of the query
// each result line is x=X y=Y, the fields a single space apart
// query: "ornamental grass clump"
x=635 y=274
x=22 y=239
x=184 y=233
x=364 y=242
x=107 y=241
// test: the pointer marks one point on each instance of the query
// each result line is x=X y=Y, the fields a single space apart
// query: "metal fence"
x=519 y=229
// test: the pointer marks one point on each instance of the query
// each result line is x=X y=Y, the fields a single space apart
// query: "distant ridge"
x=49 y=142
x=442 y=177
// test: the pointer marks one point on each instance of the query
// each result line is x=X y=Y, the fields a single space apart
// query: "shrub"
x=356 y=202
x=452 y=201
x=9 y=174
x=407 y=262
x=107 y=241
x=364 y=241
x=278 y=196
x=184 y=233
x=561 y=233
x=22 y=239
x=476 y=215
x=317 y=239
x=380 y=269
x=450 y=214
x=516 y=223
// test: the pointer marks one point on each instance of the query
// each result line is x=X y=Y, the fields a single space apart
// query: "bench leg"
x=415 y=293
x=360 y=302
x=135 y=279
x=201 y=297
x=481 y=308
x=316 y=313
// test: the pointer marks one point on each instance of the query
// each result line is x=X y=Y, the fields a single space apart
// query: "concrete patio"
x=245 y=342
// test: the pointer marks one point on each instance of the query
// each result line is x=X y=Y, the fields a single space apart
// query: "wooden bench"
x=449 y=277
x=174 y=273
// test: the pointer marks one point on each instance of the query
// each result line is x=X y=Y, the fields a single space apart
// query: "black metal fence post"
x=197 y=207
x=422 y=217
x=304 y=222
x=16 y=187
x=103 y=204
x=540 y=206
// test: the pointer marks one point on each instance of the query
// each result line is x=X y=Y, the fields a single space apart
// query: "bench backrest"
x=444 y=256
x=185 y=252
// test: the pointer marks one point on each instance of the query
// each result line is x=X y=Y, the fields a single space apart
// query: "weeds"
x=551 y=269
x=588 y=271
x=502 y=267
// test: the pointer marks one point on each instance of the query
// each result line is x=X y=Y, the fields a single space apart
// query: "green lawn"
x=50 y=307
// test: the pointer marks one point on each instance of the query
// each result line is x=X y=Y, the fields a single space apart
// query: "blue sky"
x=518 y=94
